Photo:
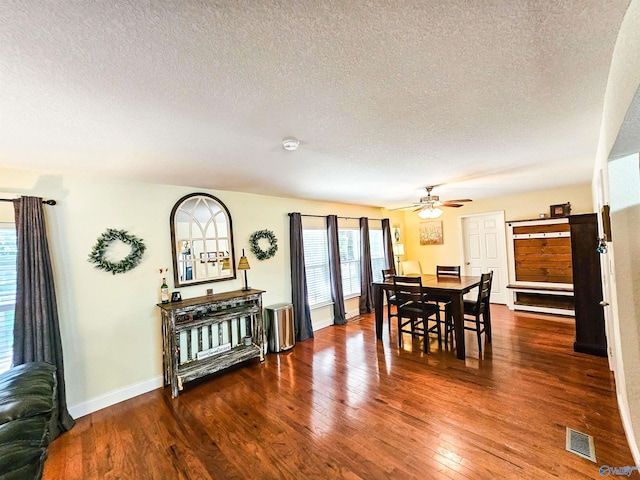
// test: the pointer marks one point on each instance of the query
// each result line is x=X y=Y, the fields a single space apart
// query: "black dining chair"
x=444 y=302
x=414 y=312
x=390 y=297
x=477 y=314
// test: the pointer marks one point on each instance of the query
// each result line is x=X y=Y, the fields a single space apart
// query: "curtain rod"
x=344 y=218
x=48 y=202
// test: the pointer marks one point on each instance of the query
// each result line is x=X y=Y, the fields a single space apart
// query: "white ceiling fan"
x=428 y=207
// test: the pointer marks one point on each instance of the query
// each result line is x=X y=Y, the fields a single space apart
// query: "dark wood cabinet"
x=587 y=285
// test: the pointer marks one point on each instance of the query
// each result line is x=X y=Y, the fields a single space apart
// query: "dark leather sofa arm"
x=27 y=402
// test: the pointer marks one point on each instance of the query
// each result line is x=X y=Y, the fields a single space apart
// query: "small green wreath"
x=255 y=246
x=127 y=263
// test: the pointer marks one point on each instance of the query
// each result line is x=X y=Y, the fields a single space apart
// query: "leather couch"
x=27 y=403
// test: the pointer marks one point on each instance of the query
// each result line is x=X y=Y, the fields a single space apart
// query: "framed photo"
x=176 y=297
x=431 y=233
x=560 y=210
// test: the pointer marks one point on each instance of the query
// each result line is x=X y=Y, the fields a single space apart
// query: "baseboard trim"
x=116 y=396
x=323 y=324
x=625 y=416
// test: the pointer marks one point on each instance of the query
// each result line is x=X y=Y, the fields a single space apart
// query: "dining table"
x=444 y=286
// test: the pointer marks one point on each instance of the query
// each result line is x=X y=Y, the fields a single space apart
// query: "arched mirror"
x=201 y=240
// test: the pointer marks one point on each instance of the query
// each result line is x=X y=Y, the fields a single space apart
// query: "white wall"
x=623 y=82
x=110 y=324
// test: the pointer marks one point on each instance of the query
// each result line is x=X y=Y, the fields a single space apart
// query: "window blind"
x=8 y=252
x=377 y=253
x=316 y=262
x=349 y=244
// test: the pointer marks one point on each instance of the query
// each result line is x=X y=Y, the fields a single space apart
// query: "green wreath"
x=255 y=246
x=127 y=263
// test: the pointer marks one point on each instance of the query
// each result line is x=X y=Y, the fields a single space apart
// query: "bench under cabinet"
x=208 y=334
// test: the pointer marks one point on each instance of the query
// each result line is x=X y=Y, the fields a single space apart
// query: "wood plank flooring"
x=346 y=406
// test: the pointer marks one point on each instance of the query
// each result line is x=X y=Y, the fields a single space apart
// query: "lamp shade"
x=243 y=264
x=433 y=212
x=398 y=249
x=226 y=264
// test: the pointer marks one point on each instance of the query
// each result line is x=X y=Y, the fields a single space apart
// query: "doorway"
x=484 y=249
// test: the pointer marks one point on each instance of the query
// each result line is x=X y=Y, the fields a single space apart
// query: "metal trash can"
x=280 y=328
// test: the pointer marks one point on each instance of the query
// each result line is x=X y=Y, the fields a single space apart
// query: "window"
x=316 y=262
x=8 y=251
x=349 y=244
x=316 y=258
x=376 y=244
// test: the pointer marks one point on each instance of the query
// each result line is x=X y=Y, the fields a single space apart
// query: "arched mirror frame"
x=174 y=244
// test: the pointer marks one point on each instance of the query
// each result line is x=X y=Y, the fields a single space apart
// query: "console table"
x=207 y=334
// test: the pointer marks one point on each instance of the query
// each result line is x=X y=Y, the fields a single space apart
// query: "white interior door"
x=485 y=249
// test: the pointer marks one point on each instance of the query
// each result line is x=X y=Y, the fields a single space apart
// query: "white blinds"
x=8 y=250
x=316 y=260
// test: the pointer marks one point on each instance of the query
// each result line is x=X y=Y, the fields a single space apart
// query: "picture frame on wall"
x=431 y=233
x=560 y=210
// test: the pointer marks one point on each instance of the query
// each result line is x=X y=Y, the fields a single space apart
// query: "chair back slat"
x=448 y=270
x=484 y=293
x=407 y=289
x=388 y=273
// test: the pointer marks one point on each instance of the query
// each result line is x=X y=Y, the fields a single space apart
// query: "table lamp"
x=398 y=249
x=243 y=264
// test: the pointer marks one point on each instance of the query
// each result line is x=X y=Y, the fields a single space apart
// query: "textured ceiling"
x=488 y=97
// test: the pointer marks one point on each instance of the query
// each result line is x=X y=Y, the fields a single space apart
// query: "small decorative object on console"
x=560 y=210
x=164 y=291
x=176 y=297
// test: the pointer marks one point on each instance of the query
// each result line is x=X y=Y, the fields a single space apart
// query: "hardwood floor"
x=345 y=406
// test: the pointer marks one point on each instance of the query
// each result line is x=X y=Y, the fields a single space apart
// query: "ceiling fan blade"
x=461 y=200
x=447 y=204
x=401 y=208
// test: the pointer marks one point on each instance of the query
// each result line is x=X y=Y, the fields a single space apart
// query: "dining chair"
x=390 y=296
x=416 y=311
x=411 y=267
x=446 y=271
x=474 y=309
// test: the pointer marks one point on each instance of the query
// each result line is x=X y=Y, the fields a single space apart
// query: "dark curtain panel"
x=339 y=314
x=301 y=310
x=366 y=276
x=36 y=332
x=388 y=244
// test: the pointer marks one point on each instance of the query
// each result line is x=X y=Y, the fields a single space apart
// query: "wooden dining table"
x=451 y=287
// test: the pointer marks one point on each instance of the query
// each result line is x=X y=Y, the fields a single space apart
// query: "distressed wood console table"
x=207 y=334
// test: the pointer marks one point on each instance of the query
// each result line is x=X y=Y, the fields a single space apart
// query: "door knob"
x=604 y=304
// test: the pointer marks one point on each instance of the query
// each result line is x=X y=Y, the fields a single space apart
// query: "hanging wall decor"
x=431 y=233
x=255 y=245
x=129 y=262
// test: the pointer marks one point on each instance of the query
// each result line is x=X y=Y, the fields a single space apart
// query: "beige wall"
x=110 y=325
x=623 y=260
x=516 y=207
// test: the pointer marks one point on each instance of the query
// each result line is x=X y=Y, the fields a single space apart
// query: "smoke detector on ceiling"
x=290 y=144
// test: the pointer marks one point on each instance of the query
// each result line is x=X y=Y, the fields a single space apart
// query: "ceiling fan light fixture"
x=430 y=212
x=290 y=144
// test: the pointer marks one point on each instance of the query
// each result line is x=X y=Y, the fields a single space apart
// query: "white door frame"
x=502 y=234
